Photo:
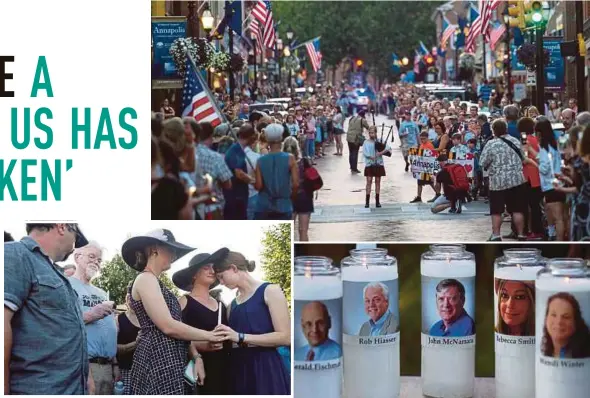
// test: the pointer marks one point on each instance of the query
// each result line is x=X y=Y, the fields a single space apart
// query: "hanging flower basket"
x=218 y=61
x=179 y=48
x=205 y=51
x=527 y=55
x=237 y=63
x=467 y=61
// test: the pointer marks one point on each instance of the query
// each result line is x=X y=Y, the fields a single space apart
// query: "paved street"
x=341 y=216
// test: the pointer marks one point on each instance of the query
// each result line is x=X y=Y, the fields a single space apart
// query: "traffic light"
x=536 y=12
x=429 y=60
x=405 y=61
x=359 y=62
x=516 y=13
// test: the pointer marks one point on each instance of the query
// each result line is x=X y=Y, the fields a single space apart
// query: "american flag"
x=496 y=35
x=447 y=33
x=313 y=50
x=491 y=6
x=255 y=28
x=260 y=11
x=196 y=99
x=476 y=27
x=269 y=28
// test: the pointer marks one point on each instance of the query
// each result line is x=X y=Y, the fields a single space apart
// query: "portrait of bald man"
x=316 y=324
x=381 y=320
x=450 y=303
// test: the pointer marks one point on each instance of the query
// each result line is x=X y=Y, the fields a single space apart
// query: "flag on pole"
x=496 y=34
x=476 y=26
x=448 y=31
x=259 y=11
x=417 y=59
x=197 y=101
x=237 y=15
x=269 y=28
x=487 y=19
x=423 y=49
x=256 y=29
x=313 y=51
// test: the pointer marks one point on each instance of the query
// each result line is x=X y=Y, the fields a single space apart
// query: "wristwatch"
x=241 y=338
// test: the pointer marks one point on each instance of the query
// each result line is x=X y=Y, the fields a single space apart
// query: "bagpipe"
x=381 y=144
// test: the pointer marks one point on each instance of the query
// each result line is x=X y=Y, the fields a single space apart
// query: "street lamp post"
x=508 y=64
x=279 y=53
x=253 y=38
x=207 y=20
x=289 y=44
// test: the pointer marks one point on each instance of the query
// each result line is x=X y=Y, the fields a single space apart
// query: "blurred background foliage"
x=408 y=257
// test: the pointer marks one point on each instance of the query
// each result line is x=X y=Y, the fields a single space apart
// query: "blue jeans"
x=252 y=200
x=310 y=147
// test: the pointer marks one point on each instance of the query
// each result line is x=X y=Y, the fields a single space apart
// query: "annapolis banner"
x=164 y=31
x=423 y=163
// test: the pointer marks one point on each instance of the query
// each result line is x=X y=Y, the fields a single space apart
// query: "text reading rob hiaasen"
x=32 y=127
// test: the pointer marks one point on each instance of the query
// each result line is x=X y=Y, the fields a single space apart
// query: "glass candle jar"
x=448 y=326
x=317 y=293
x=562 y=329
x=371 y=324
x=514 y=321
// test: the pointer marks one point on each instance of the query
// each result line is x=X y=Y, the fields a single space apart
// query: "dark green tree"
x=115 y=275
x=276 y=257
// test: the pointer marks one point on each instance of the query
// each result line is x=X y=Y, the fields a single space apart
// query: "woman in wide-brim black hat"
x=200 y=310
x=161 y=354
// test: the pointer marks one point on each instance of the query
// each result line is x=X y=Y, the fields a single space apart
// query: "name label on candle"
x=432 y=341
x=318 y=334
x=318 y=365
x=387 y=340
x=371 y=315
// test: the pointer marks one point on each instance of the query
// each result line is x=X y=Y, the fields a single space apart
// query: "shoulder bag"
x=511 y=145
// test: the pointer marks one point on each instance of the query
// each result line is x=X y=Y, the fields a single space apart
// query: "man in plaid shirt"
x=209 y=162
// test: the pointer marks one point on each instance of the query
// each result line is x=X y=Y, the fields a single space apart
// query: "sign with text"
x=423 y=163
x=164 y=31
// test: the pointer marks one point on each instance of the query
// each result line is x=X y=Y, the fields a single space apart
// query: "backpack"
x=311 y=179
x=459 y=177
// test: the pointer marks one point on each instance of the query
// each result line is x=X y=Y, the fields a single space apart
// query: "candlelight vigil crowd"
x=63 y=335
x=530 y=165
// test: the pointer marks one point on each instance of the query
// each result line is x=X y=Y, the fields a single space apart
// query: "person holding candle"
x=202 y=311
x=565 y=334
x=162 y=344
x=316 y=324
x=258 y=324
x=516 y=307
x=450 y=300
x=381 y=322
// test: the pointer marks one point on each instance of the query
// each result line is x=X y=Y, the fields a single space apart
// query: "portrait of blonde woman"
x=516 y=307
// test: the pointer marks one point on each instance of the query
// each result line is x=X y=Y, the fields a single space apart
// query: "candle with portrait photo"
x=562 y=328
x=448 y=327
x=317 y=294
x=514 y=319
x=371 y=324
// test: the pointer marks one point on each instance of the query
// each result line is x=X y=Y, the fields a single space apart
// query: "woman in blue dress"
x=259 y=324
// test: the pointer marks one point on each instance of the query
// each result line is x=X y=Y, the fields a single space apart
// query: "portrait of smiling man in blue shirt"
x=381 y=321
x=450 y=300
x=316 y=324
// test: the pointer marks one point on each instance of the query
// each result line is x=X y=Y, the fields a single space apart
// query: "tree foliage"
x=370 y=30
x=276 y=257
x=115 y=276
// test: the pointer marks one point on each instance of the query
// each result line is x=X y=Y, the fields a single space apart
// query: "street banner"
x=554 y=72
x=423 y=163
x=164 y=31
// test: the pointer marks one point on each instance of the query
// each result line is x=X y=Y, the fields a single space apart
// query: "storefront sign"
x=164 y=31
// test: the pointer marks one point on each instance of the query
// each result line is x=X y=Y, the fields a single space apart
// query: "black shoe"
x=417 y=199
x=452 y=210
x=407 y=167
x=435 y=198
x=367 y=198
x=355 y=171
x=459 y=207
x=377 y=204
x=521 y=238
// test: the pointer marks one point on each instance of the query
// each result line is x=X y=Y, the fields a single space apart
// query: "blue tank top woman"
x=274 y=201
x=256 y=370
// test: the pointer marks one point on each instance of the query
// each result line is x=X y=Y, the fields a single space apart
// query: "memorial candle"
x=514 y=321
x=219 y=313
x=370 y=324
x=562 y=327
x=317 y=293
x=448 y=327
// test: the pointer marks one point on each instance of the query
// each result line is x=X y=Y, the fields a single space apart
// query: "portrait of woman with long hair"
x=516 y=307
x=565 y=334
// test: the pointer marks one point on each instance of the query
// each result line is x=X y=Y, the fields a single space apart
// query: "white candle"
x=448 y=362
x=321 y=378
x=515 y=275
x=219 y=313
x=370 y=358
x=568 y=373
